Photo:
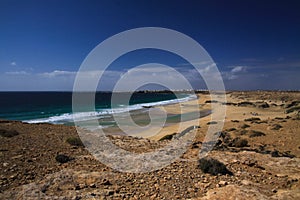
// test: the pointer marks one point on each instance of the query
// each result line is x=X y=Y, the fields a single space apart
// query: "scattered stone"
x=17 y=157
x=246 y=182
x=232 y=192
x=223 y=183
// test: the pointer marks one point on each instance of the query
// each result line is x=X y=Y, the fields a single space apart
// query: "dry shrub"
x=8 y=133
x=213 y=166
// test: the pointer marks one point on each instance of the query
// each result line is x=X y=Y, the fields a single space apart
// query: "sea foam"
x=103 y=113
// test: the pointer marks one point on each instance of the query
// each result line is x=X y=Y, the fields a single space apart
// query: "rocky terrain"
x=257 y=156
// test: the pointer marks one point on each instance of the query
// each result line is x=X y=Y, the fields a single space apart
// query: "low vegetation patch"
x=211 y=101
x=264 y=105
x=297 y=116
x=8 y=133
x=256 y=134
x=296 y=108
x=261 y=122
x=229 y=104
x=245 y=126
x=195 y=145
x=167 y=137
x=231 y=129
x=246 y=103
x=61 y=158
x=212 y=122
x=292 y=104
x=279 y=118
x=238 y=142
x=74 y=141
x=276 y=153
x=213 y=167
x=252 y=119
x=243 y=132
x=276 y=127
x=236 y=121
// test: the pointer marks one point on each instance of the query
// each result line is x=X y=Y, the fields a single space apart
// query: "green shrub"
x=74 y=141
x=213 y=166
x=8 y=133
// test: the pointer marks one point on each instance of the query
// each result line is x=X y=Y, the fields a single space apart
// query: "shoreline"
x=67 y=117
x=201 y=102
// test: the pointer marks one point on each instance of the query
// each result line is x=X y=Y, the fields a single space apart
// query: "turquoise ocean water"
x=56 y=107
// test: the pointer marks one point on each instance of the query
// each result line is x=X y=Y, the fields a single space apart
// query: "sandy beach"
x=232 y=112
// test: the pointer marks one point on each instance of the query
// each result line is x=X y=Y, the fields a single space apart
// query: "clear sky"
x=255 y=44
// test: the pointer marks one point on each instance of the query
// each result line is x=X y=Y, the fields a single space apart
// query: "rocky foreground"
x=257 y=156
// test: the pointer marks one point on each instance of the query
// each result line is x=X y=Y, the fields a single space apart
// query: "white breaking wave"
x=102 y=113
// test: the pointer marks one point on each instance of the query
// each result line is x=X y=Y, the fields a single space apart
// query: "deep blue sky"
x=255 y=44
